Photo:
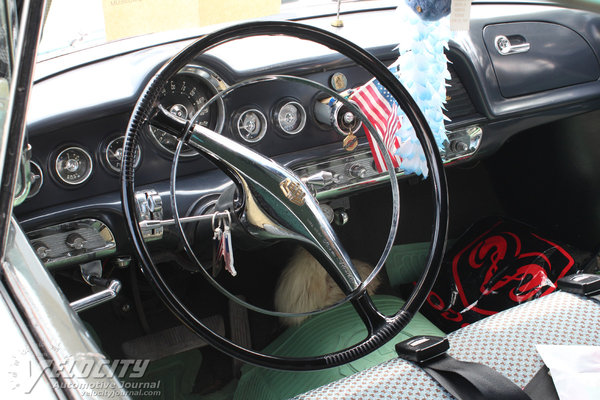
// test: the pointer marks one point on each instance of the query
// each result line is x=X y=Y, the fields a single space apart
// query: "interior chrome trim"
x=73 y=242
x=97 y=298
x=55 y=326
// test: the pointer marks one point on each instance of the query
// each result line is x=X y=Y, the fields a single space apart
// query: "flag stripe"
x=365 y=104
x=381 y=110
x=375 y=113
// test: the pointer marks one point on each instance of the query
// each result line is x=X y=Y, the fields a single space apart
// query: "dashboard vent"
x=459 y=105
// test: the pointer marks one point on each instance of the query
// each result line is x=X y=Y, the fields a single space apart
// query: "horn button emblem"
x=292 y=191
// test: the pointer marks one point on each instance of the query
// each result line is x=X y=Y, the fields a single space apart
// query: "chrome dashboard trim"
x=55 y=326
x=52 y=245
x=36 y=175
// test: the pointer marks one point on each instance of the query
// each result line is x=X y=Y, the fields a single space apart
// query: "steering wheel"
x=268 y=213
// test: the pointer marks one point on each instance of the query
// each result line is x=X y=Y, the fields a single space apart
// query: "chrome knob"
x=341 y=217
x=122 y=262
x=459 y=146
x=358 y=171
x=75 y=241
x=327 y=211
x=348 y=118
x=41 y=250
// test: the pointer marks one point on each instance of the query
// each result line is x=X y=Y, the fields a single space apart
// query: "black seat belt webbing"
x=541 y=386
x=464 y=380
x=472 y=381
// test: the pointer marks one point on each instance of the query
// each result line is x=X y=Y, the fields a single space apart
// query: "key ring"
x=215 y=215
x=226 y=212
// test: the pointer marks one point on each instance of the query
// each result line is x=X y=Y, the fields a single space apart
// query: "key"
x=228 y=251
x=217 y=236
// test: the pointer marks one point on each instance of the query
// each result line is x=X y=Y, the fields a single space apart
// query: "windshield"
x=71 y=25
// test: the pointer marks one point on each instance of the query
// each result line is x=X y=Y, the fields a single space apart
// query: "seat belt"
x=474 y=381
x=541 y=386
x=464 y=380
x=582 y=284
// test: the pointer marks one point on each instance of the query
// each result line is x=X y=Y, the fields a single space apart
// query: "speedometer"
x=183 y=96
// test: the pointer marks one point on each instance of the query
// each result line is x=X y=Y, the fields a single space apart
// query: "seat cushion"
x=324 y=333
x=505 y=341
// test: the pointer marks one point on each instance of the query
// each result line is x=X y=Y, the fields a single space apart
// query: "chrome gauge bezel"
x=81 y=179
x=216 y=85
x=263 y=120
x=113 y=168
x=37 y=185
x=302 y=116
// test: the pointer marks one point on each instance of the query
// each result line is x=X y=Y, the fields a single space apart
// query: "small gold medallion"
x=350 y=142
x=292 y=191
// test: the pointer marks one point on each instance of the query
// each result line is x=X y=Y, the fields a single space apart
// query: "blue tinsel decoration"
x=423 y=71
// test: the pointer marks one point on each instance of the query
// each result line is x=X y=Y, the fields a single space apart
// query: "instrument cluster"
x=187 y=95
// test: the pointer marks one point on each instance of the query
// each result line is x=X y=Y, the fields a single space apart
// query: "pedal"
x=170 y=341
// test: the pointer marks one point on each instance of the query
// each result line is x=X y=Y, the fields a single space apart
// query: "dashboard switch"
x=149 y=208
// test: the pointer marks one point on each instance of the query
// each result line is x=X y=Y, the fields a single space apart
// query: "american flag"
x=380 y=108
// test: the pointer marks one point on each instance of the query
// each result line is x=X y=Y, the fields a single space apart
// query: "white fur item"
x=304 y=286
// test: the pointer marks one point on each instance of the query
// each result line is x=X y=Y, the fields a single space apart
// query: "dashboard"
x=79 y=114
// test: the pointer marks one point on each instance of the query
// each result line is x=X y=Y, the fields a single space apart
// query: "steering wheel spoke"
x=277 y=205
x=367 y=311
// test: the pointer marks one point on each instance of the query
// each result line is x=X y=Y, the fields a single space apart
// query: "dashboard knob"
x=348 y=118
x=75 y=241
x=327 y=211
x=358 y=171
x=459 y=146
x=341 y=217
x=41 y=250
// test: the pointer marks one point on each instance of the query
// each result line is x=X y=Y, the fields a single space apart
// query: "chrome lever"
x=156 y=223
x=505 y=47
x=102 y=296
x=321 y=178
x=92 y=275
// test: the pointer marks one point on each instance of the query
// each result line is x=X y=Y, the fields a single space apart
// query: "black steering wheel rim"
x=381 y=329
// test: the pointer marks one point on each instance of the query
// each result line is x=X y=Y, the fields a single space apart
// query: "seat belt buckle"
x=583 y=284
x=420 y=349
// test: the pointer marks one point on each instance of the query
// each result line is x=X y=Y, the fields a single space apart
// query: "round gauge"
x=290 y=117
x=184 y=95
x=252 y=125
x=114 y=154
x=37 y=179
x=73 y=165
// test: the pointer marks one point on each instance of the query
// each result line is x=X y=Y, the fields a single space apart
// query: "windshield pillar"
x=18 y=83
